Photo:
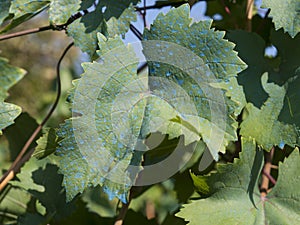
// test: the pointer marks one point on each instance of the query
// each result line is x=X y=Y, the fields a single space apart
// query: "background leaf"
x=4 y=6
x=109 y=18
x=231 y=185
x=263 y=125
x=23 y=10
x=46 y=145
x=234 y=183
x=285 y=14
x=9 y=75
x=22 y=129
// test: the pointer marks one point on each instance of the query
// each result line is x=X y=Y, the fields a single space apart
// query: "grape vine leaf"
x=97 y=201
x=109 y=18
x=235 y=92
x=9 y=75
x=21 y=130
x=290 y=112
x=200 y=184
x=61 y=10
x=125 y=113
x=4 y=6
x=285 y=14
x=41 y=179
x=46 y=144
x=280 y=69
x=251 y=49
x=231 y=186
x=23 y=10
x=110 y=157
x=12 y=205
x=263 y=125
x=219 y=63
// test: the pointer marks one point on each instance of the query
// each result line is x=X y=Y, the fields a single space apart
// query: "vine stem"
x=124 y=209
x=144 y=14
x=266 y=174
x=25 y=32
x=249 y=14
x=162 y=5
x=122 y=214
x=136 y=32
x=20 y=160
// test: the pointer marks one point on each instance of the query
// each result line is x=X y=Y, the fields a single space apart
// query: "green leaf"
x=285 y=14
x=235 y=92
x=107 y=140
x=8 y=112
x=23 y=10
x=200 y=184
x=109 y=18
x=9 y=75
x=263 y=125
x=25 y=179
x=290 y=112
x=120 y=25
x=108 y=166
x=41 y=180
x=4 y=6
x=23 y=128
x=97 y=202
x=46 y=145
x=199 y=149
x=13 y=203
x=283 y=202
x=233 y=184
x=22 y=7
x=251 y=49
x=281 y=69
x=61 y=10
x=193 y=56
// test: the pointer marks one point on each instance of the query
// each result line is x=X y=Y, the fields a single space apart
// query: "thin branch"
x=58 y=83
x=20 y=160
x=167 y=4
x=59 y=27
x=144 y=14
x=136 y=32
x=150 y=210
x=122 y=214
x=124 y=208
x=141 y=68
x=159 y=6
x=266 y=170
x=25 y=32
x=273 y=181
x=249 y=14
